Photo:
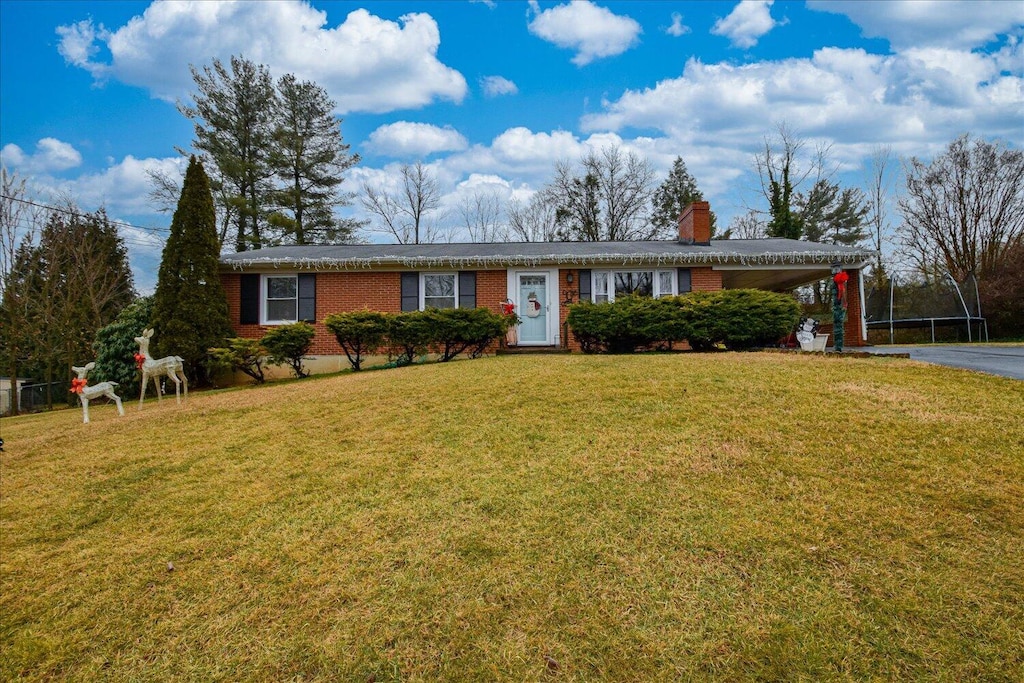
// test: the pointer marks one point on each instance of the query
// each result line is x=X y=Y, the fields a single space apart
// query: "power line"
x=70 y=212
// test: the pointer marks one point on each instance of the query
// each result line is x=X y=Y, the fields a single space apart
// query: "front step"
x=523 y=350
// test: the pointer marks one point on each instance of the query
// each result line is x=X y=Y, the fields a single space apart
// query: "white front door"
x=533 y=308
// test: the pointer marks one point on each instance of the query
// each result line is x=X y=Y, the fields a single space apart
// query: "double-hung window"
x=609 y=284
x=282 y=299
x=440 y=290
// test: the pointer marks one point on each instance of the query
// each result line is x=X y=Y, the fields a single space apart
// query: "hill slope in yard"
x=663 y=517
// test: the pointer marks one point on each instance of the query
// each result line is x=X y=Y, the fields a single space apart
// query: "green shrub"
x=409 y=335
x=458 y=330
x=738 y=318
x=628 y=324
x=245 y=355
x=115 y=346
x=697 y=312
x=359 y=333
x=287 y=345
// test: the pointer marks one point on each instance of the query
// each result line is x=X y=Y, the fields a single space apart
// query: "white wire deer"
x=172 y=366
x=87 y=393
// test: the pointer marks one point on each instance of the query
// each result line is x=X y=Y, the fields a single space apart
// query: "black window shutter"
x=250 y=299
x=307 y=297
x=410 y=291
x=467 y=289
x=684 y=281
x=585 y=288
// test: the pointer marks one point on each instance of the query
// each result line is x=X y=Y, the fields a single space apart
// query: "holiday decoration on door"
x=533 y=305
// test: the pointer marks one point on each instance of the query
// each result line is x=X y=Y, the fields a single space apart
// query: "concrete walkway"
x=1007 y=361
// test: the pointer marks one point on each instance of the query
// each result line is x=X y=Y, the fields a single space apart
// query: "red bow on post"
x=77 y=385
x=840 y=279
x=139 y=360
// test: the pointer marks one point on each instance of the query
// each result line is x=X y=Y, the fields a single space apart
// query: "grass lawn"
x=664 y=517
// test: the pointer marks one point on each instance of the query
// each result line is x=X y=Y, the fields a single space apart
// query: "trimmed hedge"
x=359 y=333
x=287 y=345
x=245 y=355
x=737 y=318
x=446 y=331
x=628 y=324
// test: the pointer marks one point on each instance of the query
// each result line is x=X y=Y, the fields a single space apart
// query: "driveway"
x=1007 y=361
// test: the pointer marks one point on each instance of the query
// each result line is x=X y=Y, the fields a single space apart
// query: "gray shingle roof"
x=780 y=252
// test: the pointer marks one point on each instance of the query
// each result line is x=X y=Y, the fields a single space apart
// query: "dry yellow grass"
x=670 y=517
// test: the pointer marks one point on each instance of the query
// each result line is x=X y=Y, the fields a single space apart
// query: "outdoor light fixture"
x=568 y=278
x=836 y=267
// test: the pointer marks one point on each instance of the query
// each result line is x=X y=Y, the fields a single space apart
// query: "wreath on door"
x=532 y=305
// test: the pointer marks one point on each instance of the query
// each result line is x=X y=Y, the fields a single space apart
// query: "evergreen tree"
x=115 y=346
x=233 y=115
x=61 y=290
x=832 y=215
x=784 y=221
x=677 y=192
x=310 y=157
x=190 y=310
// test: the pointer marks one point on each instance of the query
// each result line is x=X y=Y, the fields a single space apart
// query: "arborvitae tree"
x=310 y=158
x=190 y=309
x=677 y=192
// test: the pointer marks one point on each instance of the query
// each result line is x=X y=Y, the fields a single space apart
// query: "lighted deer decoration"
x=172 y=366
x=87 y=393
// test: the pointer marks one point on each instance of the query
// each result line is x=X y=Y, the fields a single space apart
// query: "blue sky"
x=492 y=94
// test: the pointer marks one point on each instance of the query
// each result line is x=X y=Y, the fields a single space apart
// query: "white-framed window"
x=439 y=290
x=609 y=284
x=280 y=299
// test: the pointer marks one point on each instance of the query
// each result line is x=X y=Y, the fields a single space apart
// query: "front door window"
x=533 y=309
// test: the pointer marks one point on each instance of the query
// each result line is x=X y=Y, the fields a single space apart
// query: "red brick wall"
x=705 y=280
x=354 y=291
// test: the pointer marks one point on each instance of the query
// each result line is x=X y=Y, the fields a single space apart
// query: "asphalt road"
x=1007 y=361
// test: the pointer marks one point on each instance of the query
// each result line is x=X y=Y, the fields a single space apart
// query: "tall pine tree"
x=190 y=310
x=677 y=192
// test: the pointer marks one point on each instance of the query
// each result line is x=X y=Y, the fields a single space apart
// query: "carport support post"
x=838 y=306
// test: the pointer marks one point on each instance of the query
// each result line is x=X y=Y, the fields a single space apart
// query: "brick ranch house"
x=280 y=285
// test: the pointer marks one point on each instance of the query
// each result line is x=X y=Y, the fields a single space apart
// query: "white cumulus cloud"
x=494 y=86
x=847 y=96
x=366 y=63
x=594 y=32
x=951 y=24
x=747 y=22
x=408 y=139
x=50 y=155
x=678 y=28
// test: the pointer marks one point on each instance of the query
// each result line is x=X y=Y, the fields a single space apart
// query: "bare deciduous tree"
x=534 y=221
x=782 y=168
x=403 y=213
x=965 y=208
x=749 y=226
x=606 y=200
x=481 y=215
x=880 y=186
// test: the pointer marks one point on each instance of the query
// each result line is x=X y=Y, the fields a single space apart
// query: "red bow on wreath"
x=139 y=360
x=77 y=385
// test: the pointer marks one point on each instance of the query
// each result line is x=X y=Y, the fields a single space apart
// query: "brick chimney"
x=695 y=224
